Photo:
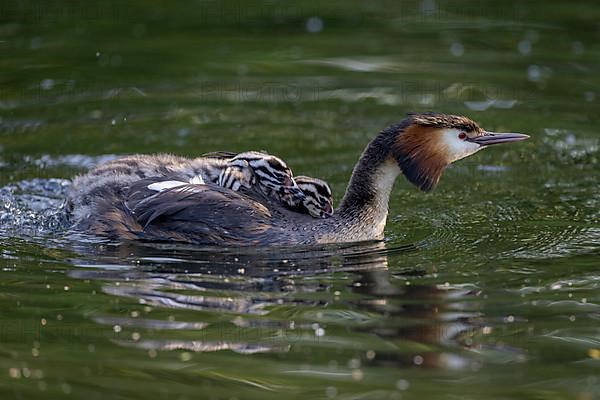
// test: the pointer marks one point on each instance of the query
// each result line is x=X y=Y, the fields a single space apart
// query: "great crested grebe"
x=420 y=147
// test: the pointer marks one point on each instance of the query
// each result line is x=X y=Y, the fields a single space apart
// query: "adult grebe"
x=420 y=147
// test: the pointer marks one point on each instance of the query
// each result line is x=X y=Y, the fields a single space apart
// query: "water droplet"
x=47 y=84
x=534 y=73
x=402 y=384
x=418 y=360
x=457 y=49
x=314 y=25
x=14 y=373
x=524 y=47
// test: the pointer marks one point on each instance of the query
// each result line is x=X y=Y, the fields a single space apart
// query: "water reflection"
x=277 y=300
x=419 y=320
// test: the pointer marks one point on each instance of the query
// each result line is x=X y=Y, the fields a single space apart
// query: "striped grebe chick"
x=270 y=173
x=318 y=201
x=420 y=147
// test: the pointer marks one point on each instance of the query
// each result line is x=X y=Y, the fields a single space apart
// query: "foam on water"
x=33 y=207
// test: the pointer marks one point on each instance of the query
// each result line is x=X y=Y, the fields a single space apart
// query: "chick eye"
x=462 y=136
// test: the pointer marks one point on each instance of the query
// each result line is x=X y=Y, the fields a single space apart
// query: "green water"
x=486 y=288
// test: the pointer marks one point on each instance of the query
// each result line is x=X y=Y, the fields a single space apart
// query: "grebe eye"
x=462 y=136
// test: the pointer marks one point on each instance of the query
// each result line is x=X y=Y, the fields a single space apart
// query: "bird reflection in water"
x=266 y=300
x=422 y=322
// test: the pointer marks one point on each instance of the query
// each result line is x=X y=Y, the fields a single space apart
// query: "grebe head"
x=319 y=200
x=429 y=142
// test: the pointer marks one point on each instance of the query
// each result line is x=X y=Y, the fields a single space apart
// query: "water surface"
x=487 y=288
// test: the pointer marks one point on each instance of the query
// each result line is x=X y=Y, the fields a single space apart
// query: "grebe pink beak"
x=489 y=138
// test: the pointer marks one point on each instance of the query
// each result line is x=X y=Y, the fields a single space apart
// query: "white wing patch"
x=197 y=180
x=160 y=186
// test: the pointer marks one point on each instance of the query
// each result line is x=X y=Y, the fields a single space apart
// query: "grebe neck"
x=366 y=200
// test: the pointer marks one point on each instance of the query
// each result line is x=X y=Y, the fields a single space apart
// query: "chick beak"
x=489 y=138
x=297 y=192
x=292 y=195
